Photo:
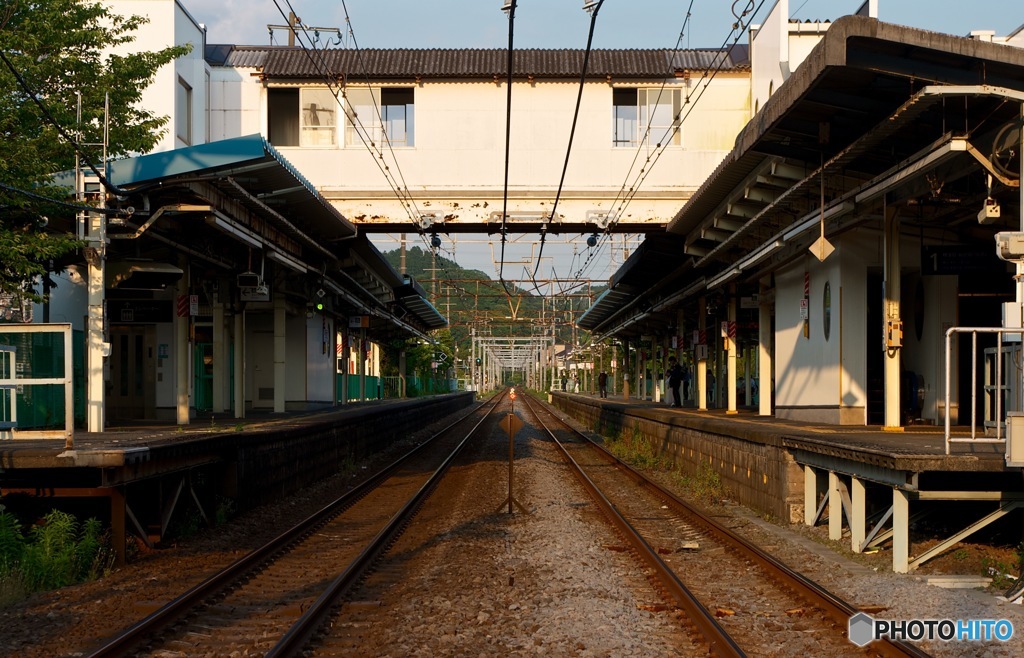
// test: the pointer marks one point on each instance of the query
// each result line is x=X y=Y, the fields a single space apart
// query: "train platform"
x=869 y=483
x=138 y=476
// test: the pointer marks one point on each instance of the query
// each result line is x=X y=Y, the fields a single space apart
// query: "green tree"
x=50 y=51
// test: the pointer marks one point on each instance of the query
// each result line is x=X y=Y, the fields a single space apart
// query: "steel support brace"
x=1004 y=509
x=810 y=496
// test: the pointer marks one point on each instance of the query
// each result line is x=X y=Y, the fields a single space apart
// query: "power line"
x=511 y=8
x=110 y=187
x=320 y=64
x=738 y=28
x=572 y=132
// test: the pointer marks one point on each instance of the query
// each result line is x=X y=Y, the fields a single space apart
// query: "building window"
x=646 y=116
x=302 y=117
x=183 y=112
x=377 y=113
x=319 y=112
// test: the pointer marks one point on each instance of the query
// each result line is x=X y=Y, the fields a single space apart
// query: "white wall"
x=170 y=24
x=808 y=371
x=457 y=163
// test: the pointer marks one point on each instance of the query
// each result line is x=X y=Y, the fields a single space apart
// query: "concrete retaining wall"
x=265 y=466
x=759 y=474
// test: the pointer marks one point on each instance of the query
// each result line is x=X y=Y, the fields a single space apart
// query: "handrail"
x=974 y=331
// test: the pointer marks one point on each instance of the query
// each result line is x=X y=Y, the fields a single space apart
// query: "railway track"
x=733 y=593
x=271 y=601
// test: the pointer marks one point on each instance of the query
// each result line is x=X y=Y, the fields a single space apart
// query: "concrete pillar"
x=361 y=360
x=97 y=349
x=764 y=351
x=891 y=315
x=900 y=531
x=220 y=358
x=729 y=342
x=346 y=358
x=858 y=514
x=702 y=363
x=835 y=508
x=810 y=494
x=280 y=348
x=626 y=369
x=239 y=392
x=118 y=534
x=182 y=359
x=401 y=373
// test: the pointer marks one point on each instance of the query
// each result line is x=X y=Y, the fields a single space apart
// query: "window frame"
x=183 y=106
x=309 y=124
x=639 y=114
x=373 y=112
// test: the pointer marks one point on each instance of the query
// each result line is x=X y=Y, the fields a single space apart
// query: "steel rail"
x=181 y=605
x=718 y=639
x=835 y=607
x=292 y=642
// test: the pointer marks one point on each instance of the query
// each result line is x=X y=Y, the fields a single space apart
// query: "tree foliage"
x=59 y=49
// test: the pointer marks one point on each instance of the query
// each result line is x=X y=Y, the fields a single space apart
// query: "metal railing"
x=997 y=388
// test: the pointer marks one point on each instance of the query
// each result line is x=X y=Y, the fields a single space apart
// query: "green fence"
x=36 y=379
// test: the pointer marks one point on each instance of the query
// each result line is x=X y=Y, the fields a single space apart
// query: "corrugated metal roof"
x=246 y=57
x=283 y=62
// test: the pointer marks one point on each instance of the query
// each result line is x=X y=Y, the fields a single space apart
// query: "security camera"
x=1010 y=245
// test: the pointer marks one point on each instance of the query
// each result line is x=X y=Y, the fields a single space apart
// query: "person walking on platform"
x=565 y=383
x=675 y=378
x=602 y=383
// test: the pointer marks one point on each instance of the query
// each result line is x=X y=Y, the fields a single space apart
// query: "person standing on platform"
x=602 y=383
x=675 y=378
x=565 y=383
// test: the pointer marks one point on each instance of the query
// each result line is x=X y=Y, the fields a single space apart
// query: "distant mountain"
x=471 y=299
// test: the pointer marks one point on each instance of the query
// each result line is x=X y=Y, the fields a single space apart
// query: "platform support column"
x=117 y=526
x=900 y=531
x=280 y=348
x=891 y=312
x=764 y=353
x=858 y=514
x=729 y=343
x=181 y=353
x=239 y=392
x=361 y=358
x=701 y=383
x=220 y=358
x=835 y=507
x=810 y=495
x=401 y=373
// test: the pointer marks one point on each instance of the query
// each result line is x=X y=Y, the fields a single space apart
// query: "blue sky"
x=560 y=24
x=563 y=23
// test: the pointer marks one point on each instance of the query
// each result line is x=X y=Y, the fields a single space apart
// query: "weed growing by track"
x=638 y=451
x=56 y=552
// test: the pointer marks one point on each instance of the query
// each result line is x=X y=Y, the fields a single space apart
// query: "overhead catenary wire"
x=321 y=66
x=398 y=185
x=738 y=28
x=572 y=132
x=508 y=140
x=34 y=96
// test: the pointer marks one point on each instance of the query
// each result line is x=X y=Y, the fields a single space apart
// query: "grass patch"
x=636 y=450
x=705 y=484
x=56 y=552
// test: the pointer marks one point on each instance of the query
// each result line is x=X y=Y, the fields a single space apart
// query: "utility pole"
x=92 y=227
